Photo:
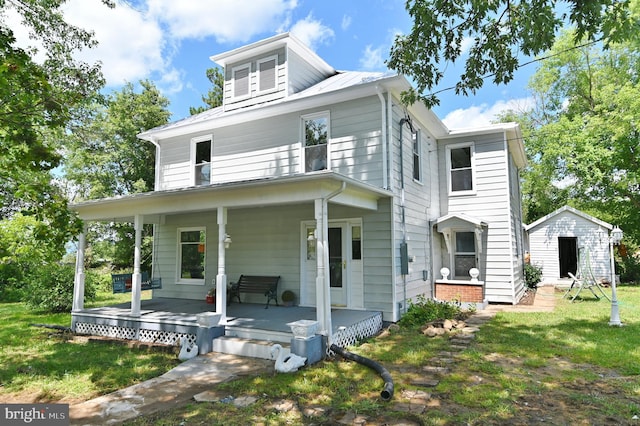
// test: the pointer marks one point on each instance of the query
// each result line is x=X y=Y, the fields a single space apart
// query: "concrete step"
x=246 y=347
x=258 y=334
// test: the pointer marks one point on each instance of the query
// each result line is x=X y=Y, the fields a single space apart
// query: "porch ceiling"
x=283 y=190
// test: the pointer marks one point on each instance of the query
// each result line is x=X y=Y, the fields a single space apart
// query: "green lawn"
x=40 y=364
x=565 y=367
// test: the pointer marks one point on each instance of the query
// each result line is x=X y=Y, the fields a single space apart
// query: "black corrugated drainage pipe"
x=387 y=390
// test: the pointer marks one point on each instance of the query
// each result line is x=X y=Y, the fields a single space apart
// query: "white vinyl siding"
x=490 y=202
x=302 y=75
x=271 y=148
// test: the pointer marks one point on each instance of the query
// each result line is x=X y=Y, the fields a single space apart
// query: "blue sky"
x=170 y=42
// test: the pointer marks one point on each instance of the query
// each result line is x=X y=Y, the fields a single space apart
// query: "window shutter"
x=241 y=82
x=267 y=72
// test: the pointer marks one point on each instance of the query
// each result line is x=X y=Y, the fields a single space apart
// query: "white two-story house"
x=325 y=179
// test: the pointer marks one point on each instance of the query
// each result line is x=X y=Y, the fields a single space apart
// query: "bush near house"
x=424 y=310
x=532 y=275
x=51 y=288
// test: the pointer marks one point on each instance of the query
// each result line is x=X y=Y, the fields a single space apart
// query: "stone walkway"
x=195 y=378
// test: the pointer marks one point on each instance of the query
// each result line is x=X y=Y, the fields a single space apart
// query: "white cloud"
x=130 y=45
x=346 y=22
x=312 y=32
x=226 y=20
x=483 y=115
x=372 y=58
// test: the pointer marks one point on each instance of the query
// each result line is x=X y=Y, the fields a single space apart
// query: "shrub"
x=532 y=275
x=50 y=288
x=425 y=310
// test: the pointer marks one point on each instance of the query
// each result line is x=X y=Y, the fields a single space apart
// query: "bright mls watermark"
x=34 y=414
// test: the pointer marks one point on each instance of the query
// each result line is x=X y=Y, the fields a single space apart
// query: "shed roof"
x=570 y=209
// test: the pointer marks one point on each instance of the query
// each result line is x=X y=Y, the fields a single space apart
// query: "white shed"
x=569 y=240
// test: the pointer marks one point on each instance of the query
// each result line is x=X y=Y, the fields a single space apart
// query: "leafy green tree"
x=213 y=98
x=104 y=158
x=36 y=100
x=583 y=138
x=500 y=32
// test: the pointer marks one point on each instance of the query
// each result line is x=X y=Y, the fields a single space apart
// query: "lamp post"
x=614 y=238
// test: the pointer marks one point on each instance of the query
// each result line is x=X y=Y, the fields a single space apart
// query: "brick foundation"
x=472 y=293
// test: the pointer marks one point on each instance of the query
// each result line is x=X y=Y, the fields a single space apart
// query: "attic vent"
x=267 y=74
x=241 y=81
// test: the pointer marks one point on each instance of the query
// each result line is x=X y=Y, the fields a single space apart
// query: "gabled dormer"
x=268 y=70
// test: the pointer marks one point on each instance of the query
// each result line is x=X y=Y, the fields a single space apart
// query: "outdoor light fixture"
x=226 y=241
x=312 y=236
x=614 y=239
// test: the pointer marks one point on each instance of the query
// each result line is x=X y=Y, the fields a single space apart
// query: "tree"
x=37 y=100
x=500 y=31
x=104 y=157
x=214 y=95
x=583 y=143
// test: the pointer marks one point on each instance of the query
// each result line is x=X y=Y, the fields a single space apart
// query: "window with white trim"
x=267 y=74
x=241 y=81
x=192 y=251
x=460 y=160
x=201 y=160
x=315 y=140
x=417 y=155
x=464 y=257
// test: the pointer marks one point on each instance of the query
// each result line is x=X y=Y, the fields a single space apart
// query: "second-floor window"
x=315 y=138
x=201 y=157
x=464 y=257
x=460 y=160
x=417 y=157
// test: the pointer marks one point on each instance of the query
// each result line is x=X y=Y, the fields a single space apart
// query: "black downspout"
x=387 y=390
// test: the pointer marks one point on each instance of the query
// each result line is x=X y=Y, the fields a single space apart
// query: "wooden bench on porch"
x=256 y=284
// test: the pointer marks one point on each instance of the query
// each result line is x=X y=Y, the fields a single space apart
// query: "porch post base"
x=313 y=348
x=205 y=336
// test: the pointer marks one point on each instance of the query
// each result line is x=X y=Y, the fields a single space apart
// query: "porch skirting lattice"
x=351 y=335
x=129 y=333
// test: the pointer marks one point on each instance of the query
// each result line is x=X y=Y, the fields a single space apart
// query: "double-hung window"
x=191 y=254
x=241 y=81
x=417 y=157
x=460 y=159
x=464 y=257
x=267 y=74
x=201 y=160
x=315 y=139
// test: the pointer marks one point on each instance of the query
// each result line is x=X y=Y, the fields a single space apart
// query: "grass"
x=39 y=364
x=565 y=367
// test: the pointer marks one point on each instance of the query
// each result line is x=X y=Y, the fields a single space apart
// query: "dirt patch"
x=528 y=298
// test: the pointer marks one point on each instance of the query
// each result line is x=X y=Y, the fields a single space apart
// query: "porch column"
x=78 y=282
x=323 y=295
x=221 y=278
x=136 y=282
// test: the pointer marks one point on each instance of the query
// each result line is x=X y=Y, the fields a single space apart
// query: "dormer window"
x=201 y=160
x=241 y=80
x=315 y=138
x=267 y=74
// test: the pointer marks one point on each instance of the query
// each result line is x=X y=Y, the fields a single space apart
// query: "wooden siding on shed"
x=543 y=244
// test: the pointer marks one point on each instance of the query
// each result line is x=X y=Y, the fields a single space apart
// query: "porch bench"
x=256 y=284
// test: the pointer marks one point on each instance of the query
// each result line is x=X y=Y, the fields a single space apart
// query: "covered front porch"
x=168 y=320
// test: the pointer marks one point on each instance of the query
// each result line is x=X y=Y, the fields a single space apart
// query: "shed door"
x=568 y=255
